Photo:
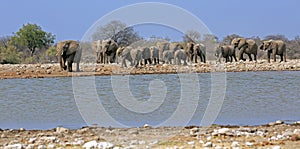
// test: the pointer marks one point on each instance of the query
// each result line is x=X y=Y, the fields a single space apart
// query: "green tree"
x=9 y=55
x=32 y=36
x=51 y=53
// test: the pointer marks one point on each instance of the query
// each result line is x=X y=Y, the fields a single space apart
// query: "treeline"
x=33 y=45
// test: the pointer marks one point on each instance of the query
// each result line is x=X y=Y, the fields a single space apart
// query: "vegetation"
x=32 y=36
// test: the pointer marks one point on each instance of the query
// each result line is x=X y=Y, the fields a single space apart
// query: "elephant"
x=136 y=56
x=125 y=54
x=70 y=51
x=154 y=54
x=225 y=51
x=162 y=46
x=189 y=48
x=275 y=47
x=168 y=55
x=247 y=46
x=146 y=55
x=109 y=49
x=97 y=47
x=174 y=46
x=180 y=55
x=200 y=50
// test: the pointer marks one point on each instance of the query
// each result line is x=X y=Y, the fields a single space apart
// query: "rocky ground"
x=8 y=71
x=276 y=135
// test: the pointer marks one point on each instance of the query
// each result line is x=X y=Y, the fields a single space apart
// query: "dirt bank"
x=8 y=71
x=273 y=135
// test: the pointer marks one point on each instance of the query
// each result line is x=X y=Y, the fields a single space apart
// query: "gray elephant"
x=275 y=47
x=136 y=55
x=189 y=48
x=154 y=54
x=168 y=56
x=125 y=54
x=180 y=55
x=200 y=50
x=146 y=55
x=227 y=52
x=97 y=47
x=68 y=51
x=247 y=46
x=174 y=46
x=162 y=46
x=109 y=49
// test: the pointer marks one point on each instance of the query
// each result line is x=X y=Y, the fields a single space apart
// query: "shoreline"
x=11 y=71
x=272 y=135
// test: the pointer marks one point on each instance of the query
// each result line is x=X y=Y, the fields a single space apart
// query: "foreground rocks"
x=275 y=136
x=88 y=69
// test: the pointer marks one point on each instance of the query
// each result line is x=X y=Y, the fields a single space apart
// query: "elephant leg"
x=250 y=58
x=281 y=58
x=269 y=56
x=70 y=66
x=274 y=56
x=77 y=67
x=255 y=58
x=204 y=58
x=195 y=57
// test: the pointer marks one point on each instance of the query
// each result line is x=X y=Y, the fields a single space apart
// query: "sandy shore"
x=8 y=71
x=274 y=135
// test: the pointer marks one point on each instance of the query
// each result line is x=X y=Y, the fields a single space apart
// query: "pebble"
x=90 y=145
x=249 y=144
x=296 y=131
x=276 y=147
x=32 y=140
x=42 y=147
x=235 y=144
x=105 y=145
x=30 y=146
x=61 y=130
x=208 y=144
x=147 y=126
x=14 y=146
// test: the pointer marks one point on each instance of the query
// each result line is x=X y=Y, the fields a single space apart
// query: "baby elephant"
x=225 y=51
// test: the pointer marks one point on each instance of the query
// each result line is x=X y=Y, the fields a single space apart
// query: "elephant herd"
x=161 y=53
x=249 y=47
x=108 y=51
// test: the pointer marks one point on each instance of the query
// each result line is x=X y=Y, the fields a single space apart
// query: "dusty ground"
x=273 y=135
x=52 y=70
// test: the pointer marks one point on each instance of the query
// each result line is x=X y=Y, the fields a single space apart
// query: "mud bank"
x=9 y=71
x=273 y=135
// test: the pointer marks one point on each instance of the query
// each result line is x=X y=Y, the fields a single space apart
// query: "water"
x=251 y=98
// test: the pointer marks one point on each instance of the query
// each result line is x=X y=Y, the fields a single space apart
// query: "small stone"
x=279 y=122
x=30 y=146
x=22 y=129
x=223 y=130
x=276 y=147
x=249 y=144
x=147 y=126
x=49 y=71
x=208 y=138
x=191 y=143
x=235 y=144
x=61 y=130
x=50 y=146
x=208 y=144
x=42 y=147
x=90 y=145
x=32 y=140
x=296 y=131
x=105 y=145
x=218 y=147
x=14 y=146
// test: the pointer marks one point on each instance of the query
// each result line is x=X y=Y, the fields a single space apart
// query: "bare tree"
x=4 y=41
x=191 y=36
x=118 y=31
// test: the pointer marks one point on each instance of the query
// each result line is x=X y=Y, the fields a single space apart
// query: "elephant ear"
x=261 y=46
x=273 y=45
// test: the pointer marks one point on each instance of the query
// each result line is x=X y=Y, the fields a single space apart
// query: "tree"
x=4 y=41
x=32 y=36
x=9 y=55
x=191 y=36
x=118 y=31
x=227 y=39
x=276 y=37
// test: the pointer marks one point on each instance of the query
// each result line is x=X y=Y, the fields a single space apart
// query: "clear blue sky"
x=69 y=19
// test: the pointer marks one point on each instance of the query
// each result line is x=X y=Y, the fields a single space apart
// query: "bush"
x=10 y=55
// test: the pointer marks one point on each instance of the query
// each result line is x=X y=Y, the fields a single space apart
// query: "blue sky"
x=71 y=19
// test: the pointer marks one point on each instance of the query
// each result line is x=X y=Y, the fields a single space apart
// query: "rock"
x=278 y=122
x=249 y=144
x=42 y=147
x=147 y=126
x=14 y=146
x=31 y=140
x=105 y=145
x=90 y=145
x=223 y=131
x=298 y=122
x=235 y=144
x=276 y=147
x=296 y=131
x=22 y=129
x=218 y=147
x=50 y=146
x=30 y=146
x=194 y=131
x=191 y=143
x=208 y=144
x=208 y=138
x=49 y=71
x=62 y=130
